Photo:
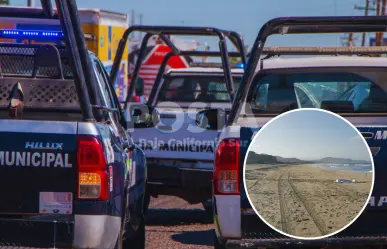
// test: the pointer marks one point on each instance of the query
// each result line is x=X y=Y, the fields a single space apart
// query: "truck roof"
x=326 y=61
x=197 y=70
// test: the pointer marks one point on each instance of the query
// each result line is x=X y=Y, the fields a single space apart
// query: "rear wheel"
x=138 y=240
x=132 y=234
x=217 y=244
x=207 y=205
x=119 y=241
x=147 y=199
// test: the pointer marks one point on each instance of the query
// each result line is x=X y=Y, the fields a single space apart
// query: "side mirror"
x=143 y=116
x=211 y=119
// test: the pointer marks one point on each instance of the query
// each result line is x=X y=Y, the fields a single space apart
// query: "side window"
x=260 y=98
x=107 y=90
x=103 y=81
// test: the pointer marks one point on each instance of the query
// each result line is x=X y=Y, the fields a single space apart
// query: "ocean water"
x=345 y=167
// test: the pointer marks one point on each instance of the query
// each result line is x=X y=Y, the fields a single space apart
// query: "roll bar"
x=79 y=59
x=84 y=78
x=300 y=25
x=164 y=64
x=163 y=32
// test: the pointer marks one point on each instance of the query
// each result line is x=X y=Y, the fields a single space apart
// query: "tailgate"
x=370 y=223
x=176 y=137
x=36 y=157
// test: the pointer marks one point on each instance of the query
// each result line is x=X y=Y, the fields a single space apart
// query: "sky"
x=310 y=135
x=243 y=16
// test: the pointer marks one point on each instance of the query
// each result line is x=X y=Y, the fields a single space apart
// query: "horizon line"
x=314 y=159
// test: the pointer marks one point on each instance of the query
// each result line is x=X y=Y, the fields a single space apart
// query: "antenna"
x=139 y=33
x=366 y=10
x=379 y=6
x=132 y=22
x=31 y=3
x=382 y=13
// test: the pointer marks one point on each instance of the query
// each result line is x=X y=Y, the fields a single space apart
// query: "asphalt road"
x=173 y=223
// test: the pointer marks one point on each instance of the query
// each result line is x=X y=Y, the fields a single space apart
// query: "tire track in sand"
x=283 y=208
x=320 y=224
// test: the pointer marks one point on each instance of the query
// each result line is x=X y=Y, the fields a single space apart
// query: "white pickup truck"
x=351 y=86
x=180 y=154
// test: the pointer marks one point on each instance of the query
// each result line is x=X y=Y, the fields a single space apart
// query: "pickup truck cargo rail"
x=301 y=25
x=84 y=78
x=163 y=32
x=75 y=41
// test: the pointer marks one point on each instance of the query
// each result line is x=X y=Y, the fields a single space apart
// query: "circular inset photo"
x=309 y=173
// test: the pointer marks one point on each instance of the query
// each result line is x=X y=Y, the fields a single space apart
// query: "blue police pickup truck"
x=65 y=181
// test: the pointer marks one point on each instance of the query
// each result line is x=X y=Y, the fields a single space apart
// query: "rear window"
x=196 y=89
x=359 y=90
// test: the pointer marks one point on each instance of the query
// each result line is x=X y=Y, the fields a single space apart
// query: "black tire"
x=208 y=207
x=147 y=199
x=217 y=244
x=119 y=241
x=137 y=241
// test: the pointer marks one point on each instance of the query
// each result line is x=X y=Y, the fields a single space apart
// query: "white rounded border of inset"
x=369 y=195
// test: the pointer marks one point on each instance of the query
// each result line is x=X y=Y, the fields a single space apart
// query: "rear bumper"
x=78 y=231
x=31 y=233
x=350 y=242
x=191 y=184
x=368 y=230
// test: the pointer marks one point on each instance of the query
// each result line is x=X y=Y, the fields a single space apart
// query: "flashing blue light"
x=30 y=34
x=240 y=65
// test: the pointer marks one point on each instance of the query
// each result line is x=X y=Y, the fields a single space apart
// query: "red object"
x=136 y=99
x=91 y=159
x=151 y=64
x=226 y=168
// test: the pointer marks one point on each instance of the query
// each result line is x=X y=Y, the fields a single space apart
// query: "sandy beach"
x=305 y=201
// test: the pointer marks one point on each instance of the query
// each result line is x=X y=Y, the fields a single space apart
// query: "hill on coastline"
x=341 y=161
x=255 y=158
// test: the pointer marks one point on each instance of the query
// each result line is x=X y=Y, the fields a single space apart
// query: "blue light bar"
x=30 y=34
x=240 y=65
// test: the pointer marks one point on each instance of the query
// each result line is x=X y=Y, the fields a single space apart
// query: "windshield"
x=359 y=90
x=196 y=89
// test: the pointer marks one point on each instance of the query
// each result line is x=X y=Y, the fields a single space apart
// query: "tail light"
x=93 y=174
x=226 y=174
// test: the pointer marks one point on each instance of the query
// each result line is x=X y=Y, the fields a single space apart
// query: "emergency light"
x=17 y=34
x=240 y=65
x=36 y=34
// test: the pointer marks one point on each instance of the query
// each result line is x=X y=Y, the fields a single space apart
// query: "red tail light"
x=226 y=174
x=93 y=174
